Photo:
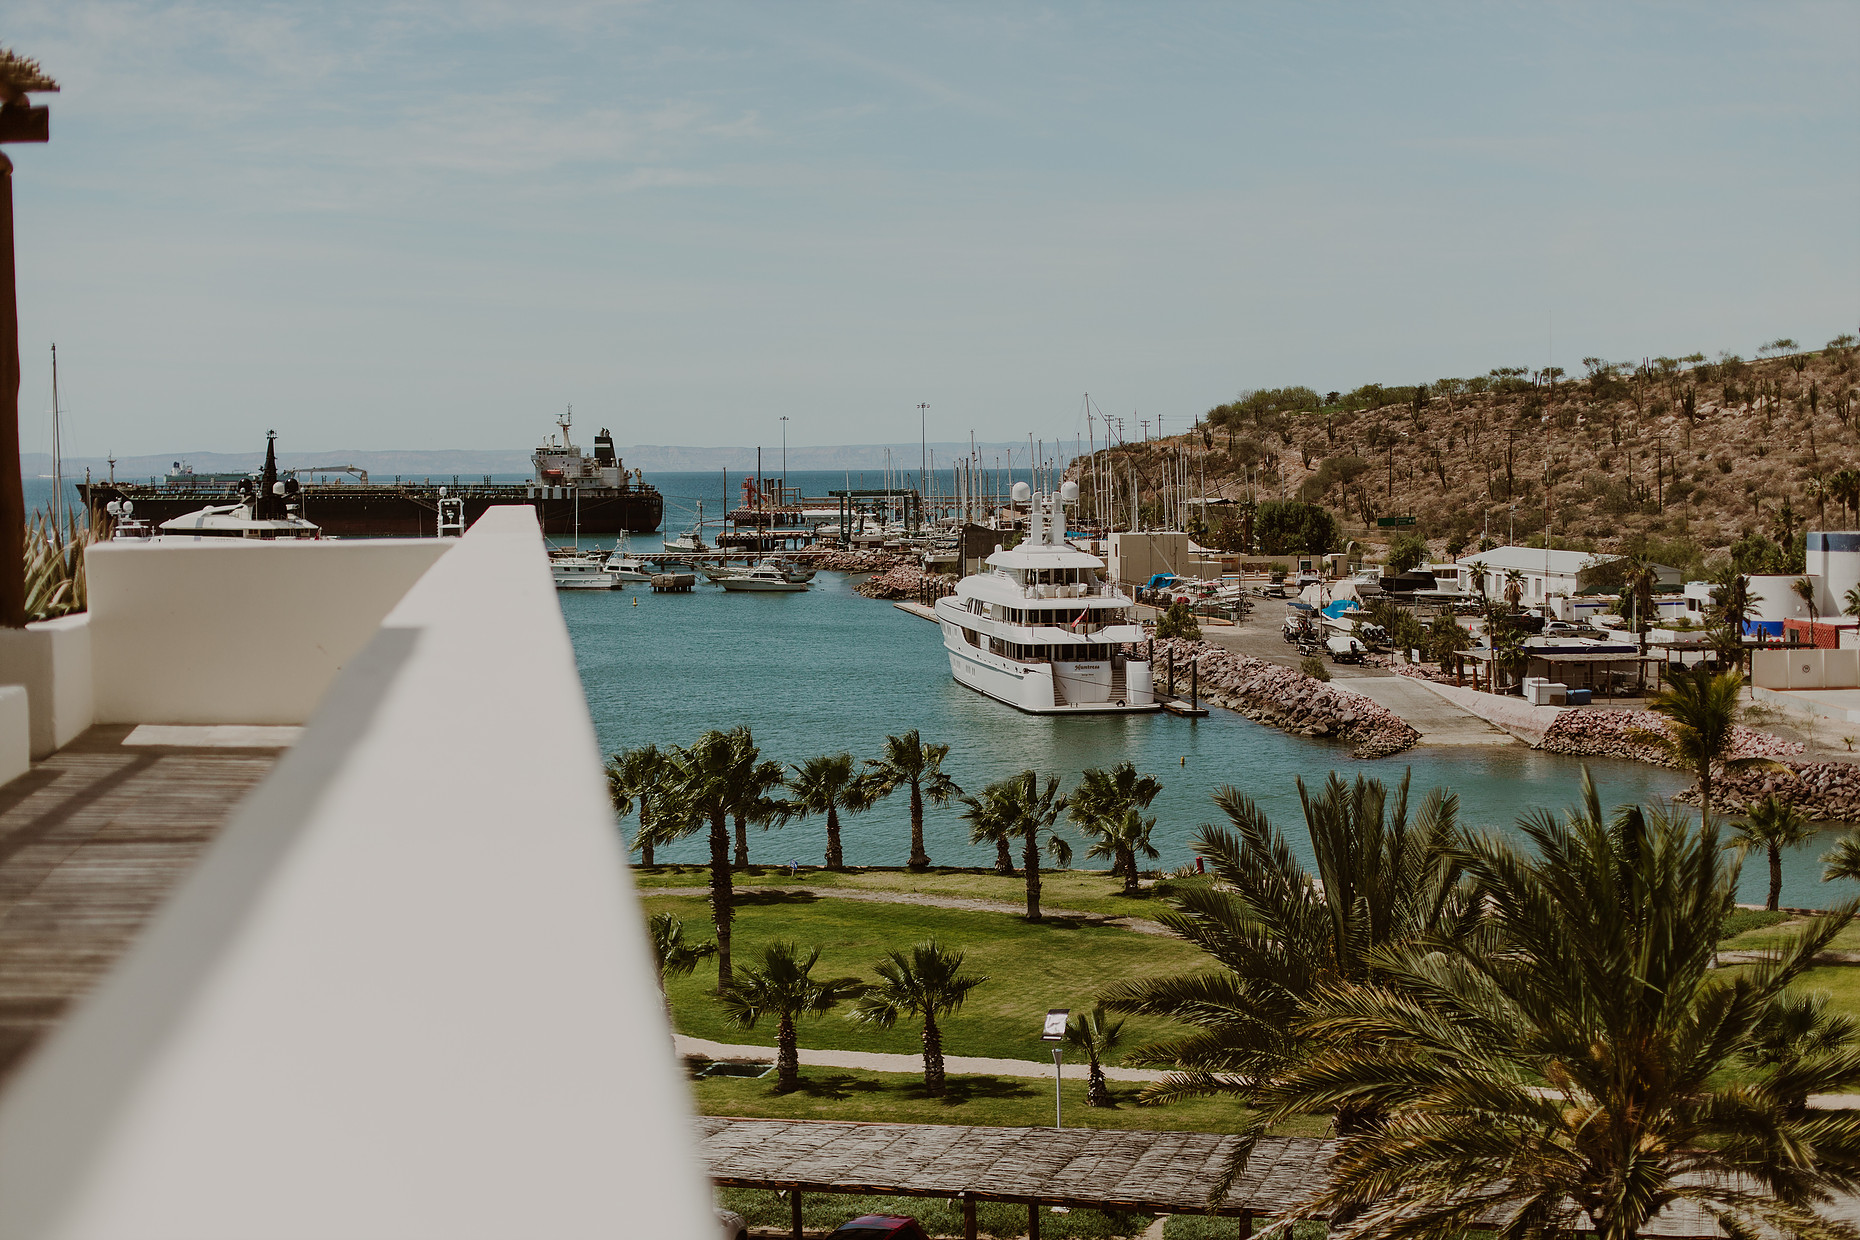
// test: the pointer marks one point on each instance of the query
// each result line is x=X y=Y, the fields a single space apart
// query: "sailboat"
x=693 y=538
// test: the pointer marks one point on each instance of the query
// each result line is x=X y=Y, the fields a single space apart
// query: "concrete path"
x=967 y=904
x=1526 y=722
x=874 y=1061
x=1439 y=721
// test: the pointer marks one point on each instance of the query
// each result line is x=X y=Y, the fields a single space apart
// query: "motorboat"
x=692 y=540
x=582 y=572
x=764 y=578
x=625 y=566
x=1345 y=649
x=1040 y=629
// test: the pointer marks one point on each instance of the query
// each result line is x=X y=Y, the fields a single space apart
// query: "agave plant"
x=54 y=561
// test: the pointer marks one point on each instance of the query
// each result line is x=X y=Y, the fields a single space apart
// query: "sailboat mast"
x=58 y=464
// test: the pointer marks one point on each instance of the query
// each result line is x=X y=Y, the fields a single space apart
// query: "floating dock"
x=673 y=583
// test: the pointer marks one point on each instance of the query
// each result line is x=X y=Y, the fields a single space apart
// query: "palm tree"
x=1850 y=602
x=827 y=785
x=1843 y=860
x=1804 y=588
x=710 y=782
x=756 y=802
x=1124 y=840
x=907 y=761
x=1104 y=802
x=1096 y=1034
x=1280 y=934
x=673 y=955
x=1573 y=1072
x=923 y=985
x=1772 y=824
x=989 y=823
x=1514 y=587
x=636 y=777
x=1701 y=711
x=1030 y=813
x=784 y=987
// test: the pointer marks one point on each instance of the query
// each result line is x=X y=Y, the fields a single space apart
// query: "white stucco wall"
x=237 y=631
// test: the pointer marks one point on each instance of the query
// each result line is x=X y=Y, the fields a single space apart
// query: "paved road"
x=874 y=1061
x=1438 y=721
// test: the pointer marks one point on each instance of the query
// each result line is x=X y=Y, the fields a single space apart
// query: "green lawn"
x=1086 y=891
x=1848 y=940
x=988 y=1101
x=1030 y=968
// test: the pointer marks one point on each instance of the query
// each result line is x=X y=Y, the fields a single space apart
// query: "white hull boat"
x=1041 y=631
x=582 y=573
x=763 y=578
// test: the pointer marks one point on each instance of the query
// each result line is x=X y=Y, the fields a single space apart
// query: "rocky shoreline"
x=1287 y=699
x=1622 y=734
x=849 y=561
x=900 y=581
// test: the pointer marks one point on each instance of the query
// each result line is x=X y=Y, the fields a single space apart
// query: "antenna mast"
x=58 y=463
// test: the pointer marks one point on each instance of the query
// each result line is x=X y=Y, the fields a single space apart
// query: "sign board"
x=1055 y=1028
x=1387 y=522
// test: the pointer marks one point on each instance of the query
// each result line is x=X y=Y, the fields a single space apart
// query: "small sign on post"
x=1391 y=522
x=1054 y=1032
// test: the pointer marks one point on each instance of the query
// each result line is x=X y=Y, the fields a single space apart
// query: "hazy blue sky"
x=397 y=225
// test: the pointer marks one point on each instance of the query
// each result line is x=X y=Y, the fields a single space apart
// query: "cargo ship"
x=571 y=493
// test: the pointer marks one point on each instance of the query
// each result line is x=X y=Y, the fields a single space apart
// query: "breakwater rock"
x=1825 y=791
x=902 y=581
x=1623 y=734
x=849 y=561
x=1284 y=698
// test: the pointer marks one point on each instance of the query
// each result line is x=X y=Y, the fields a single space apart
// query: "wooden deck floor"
x=92 y=840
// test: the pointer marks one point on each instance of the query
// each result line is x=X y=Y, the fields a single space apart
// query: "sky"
x=409 y=225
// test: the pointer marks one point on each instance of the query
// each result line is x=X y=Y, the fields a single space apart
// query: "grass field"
x=1030 y=967
x=988 y=1101
x=1086 y=891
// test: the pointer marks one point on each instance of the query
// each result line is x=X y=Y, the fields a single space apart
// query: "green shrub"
x=1313 y=667
x=1745 y=919
x=1178 y=621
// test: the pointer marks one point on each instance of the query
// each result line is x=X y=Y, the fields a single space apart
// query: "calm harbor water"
x=828 y=670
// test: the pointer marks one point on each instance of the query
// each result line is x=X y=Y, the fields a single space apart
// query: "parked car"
x=1561 y=628
x=879 y=1227
x=730 y=1225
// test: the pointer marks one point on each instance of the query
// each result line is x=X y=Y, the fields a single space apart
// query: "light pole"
x=1054 y=1032
x=784 y=458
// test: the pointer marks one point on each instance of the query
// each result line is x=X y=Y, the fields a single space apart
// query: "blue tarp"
x=1336 y=609
x=1160 y=581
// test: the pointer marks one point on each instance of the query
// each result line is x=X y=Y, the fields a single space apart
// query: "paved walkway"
x=967 y=904
x=1515 y=715
x=874 y=1061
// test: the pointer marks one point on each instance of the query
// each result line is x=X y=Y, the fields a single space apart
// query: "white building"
x=1546 y=573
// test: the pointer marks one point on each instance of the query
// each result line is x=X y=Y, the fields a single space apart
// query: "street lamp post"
x=19 y=122
x=784 y=458
x=1053 y=1031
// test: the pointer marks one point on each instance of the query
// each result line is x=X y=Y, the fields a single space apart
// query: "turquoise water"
x=829 y=670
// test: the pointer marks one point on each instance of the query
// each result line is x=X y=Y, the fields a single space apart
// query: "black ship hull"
x=407 y=511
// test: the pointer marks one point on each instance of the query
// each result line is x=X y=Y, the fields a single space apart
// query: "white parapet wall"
x=406 y=993
x=15 y=733
x=237 y=631
x=51 y=660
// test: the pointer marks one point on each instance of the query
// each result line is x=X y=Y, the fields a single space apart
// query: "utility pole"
x=923 y=470
x=784 y=460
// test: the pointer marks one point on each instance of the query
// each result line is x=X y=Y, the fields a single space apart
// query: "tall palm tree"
x=1514 y=587
x=1575 y=1077
x=784 y=987
x=1097 y=1035
x=908 y=762
x=922 y=985
x=1850 y=602
x=1701 y=710
x=1279 y=934
x=757 y=803
x=1772 y=824
x=990 y=823
x=674 y=955
x=1102 y=802
x=709 y=783
x=1124 y=839
x=828 y=785
x=1029 y=812
x=635 y=778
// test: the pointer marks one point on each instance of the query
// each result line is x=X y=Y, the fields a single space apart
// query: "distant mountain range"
x=652 y=458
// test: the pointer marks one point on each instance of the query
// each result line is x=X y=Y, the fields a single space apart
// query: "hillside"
x=1686 y=459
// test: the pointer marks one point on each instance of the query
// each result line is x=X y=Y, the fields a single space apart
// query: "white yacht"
x=1040 y=630
x=766 y=576
x=692 y=540
x=625 y=566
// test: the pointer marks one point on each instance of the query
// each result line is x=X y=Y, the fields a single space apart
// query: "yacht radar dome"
x=1021 y=493
x=1068 y=492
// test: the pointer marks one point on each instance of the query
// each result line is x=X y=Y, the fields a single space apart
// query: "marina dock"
x=918 y=610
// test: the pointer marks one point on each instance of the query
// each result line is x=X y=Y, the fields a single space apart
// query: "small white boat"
x=693 y=538
x=796 y=572
x=585 y=572
x=763 y=577
x=627 y=567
